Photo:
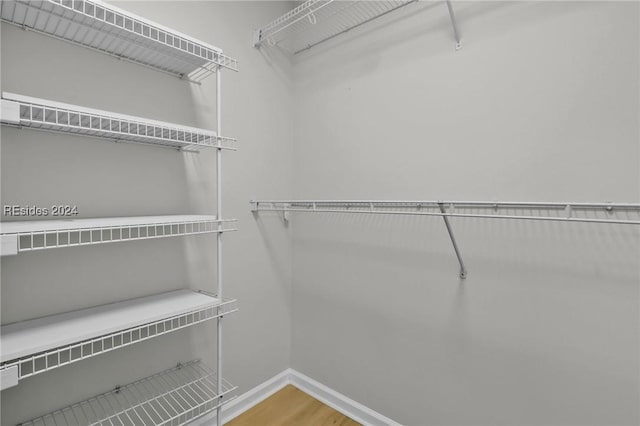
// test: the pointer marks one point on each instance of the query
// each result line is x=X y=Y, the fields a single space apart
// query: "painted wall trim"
x=325 y=394
x=339 y=402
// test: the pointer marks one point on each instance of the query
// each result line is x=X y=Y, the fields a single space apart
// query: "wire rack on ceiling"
x=317 y=21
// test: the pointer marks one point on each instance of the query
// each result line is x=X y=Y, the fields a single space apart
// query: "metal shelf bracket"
x=463 y=269
x=454 y=24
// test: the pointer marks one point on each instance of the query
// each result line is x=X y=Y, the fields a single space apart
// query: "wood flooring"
x=291 y=407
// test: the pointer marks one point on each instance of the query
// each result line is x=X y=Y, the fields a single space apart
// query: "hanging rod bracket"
x=276 y=207
x=463 y=269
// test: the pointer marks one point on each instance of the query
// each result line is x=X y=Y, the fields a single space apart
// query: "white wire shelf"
x=611 y=213
x=22 y=236
x=42 y=114
x=615 y=213
x=116 y=32
x=43 y=344
x=316 y=21
x=173 y=397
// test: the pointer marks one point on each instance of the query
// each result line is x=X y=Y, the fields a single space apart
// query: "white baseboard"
x=326 y=395
x=339 y=402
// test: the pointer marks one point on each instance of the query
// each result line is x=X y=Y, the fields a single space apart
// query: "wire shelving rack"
x=51 y=342
x=594 y=213
x=613 y=213
x=316 y=21
x=188 y=391
x=23 y=236
x=42 y=114
x=113 y=31
x=173 y=397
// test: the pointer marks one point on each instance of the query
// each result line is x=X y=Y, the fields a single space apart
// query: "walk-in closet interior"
x=415 y=212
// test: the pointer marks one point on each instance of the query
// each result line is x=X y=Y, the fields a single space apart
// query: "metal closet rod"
x=457 y=203
x=447 y=209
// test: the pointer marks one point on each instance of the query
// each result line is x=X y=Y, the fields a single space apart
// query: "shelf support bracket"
x=463 y=270
x=454 y=24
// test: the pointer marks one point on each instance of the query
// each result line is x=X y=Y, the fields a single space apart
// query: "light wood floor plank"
x=291 y=407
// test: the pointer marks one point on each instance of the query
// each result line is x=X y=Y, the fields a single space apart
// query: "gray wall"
x=107 y=179
x=541 y=103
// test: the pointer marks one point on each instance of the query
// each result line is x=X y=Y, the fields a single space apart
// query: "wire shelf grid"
x=49 y=116
x=107 y=29
x=82 y=236
x=614 y=213
x=316 y=21
x=173 y=397
x=48 y=360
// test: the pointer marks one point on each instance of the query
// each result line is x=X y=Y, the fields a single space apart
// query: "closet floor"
x=291 y=406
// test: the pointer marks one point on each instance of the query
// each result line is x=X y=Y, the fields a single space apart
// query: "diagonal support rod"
x=463 y=270
x=454 y=24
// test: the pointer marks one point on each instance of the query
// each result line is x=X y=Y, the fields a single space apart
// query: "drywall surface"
x=540 y=104
x=107 y=179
